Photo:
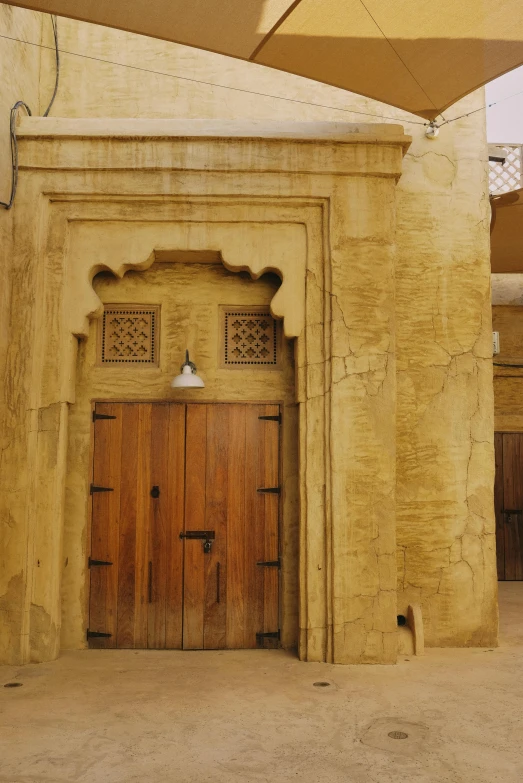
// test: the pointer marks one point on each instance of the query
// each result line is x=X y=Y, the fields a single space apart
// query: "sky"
x=505 y=121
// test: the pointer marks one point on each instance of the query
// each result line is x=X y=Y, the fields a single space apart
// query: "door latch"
x=206 y=535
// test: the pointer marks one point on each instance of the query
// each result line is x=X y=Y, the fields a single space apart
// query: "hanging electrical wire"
x=214 y=84
x=14 y=115
x=432 y=123
x=54 y=22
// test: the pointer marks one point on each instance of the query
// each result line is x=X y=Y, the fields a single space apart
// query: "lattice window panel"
x=250 y=337
x=502 y=179
x=129 y=334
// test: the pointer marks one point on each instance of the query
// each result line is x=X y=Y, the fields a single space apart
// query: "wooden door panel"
x=254 y=543
x=138 y=599
x=159 y=523
x=513 y=502
x=208 y=463
x=216 y=510
x=236 y=528
x=104 y=528
x=498 y=505
x=271 y=514
x=175 y=501
x=194 y=563
x=143 y=507
x=128 y=520
x=253 y=590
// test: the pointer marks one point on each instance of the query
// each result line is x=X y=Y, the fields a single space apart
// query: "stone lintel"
x=199 y=145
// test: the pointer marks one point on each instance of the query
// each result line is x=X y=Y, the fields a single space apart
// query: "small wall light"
x=188 y=378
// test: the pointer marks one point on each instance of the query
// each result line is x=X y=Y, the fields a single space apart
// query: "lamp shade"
x=187 y=378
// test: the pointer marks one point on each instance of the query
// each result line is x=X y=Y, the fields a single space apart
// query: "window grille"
x=250 y=337
x=129 y=334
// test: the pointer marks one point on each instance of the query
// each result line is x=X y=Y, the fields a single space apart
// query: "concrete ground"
x=191 y=717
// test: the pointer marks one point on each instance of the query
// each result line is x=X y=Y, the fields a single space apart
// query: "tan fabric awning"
x=418 y=55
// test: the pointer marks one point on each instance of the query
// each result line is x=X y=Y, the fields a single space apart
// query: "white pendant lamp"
x=188 y=378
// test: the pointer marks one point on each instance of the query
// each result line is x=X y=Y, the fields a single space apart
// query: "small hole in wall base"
x=402 y=620
x=321 y=684
x=397 y=735
x=13 y=684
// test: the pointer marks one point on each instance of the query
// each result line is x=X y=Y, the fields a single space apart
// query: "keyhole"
x=155 y=492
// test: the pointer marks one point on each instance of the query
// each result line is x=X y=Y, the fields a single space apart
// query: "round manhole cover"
x=321 y=684
x=13 y=684
x=397 y=735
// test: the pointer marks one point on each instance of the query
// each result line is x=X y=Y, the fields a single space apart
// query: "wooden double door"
x=184 y=532
x=508 y=501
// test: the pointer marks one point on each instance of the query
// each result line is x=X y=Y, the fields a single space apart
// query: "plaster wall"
x=438 y=278
x=19 y=80
x=190 y=295
x=445 y=467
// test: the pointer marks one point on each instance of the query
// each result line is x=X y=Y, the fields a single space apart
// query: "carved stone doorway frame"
x=318 y=208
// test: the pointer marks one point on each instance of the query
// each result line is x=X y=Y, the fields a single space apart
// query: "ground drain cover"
x=13 y=684
x=397 y=735
x=321 y=684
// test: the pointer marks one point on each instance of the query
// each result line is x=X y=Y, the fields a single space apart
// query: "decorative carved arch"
x=252 y=247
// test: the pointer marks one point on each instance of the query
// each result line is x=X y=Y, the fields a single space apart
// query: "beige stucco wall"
x=445 y=530
x=19 y=80
x=190 y=295
x=444 y=460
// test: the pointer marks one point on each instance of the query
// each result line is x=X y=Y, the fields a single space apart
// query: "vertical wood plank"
x=270 y=460
x=254 y=542
x=175 y=525
x=143 y=508
x=130 y=446
x=159 y=523
x=513 y=500
x=103 y=601
x=236 y=524
x=195 y=489
x=215 y=561
x=498 y=505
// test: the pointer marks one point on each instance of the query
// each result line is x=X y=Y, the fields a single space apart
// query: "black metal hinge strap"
x=270 y=635
x=94 y=489
x=97 y=416
x=270 y=490
x=512 y=511
x=98 y=635
x=98 y=562
x=270 y=563
x=271 y=418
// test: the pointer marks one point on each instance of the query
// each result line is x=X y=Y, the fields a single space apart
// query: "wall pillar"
x=349 y=572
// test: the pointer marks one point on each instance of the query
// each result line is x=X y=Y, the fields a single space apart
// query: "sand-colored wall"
x=508 y=381
x=444 y=384
x=190 y=295
x=19 y=80
x=444 y=460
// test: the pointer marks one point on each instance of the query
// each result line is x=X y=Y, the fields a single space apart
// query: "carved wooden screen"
x=129 y=334
x=250 y=336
